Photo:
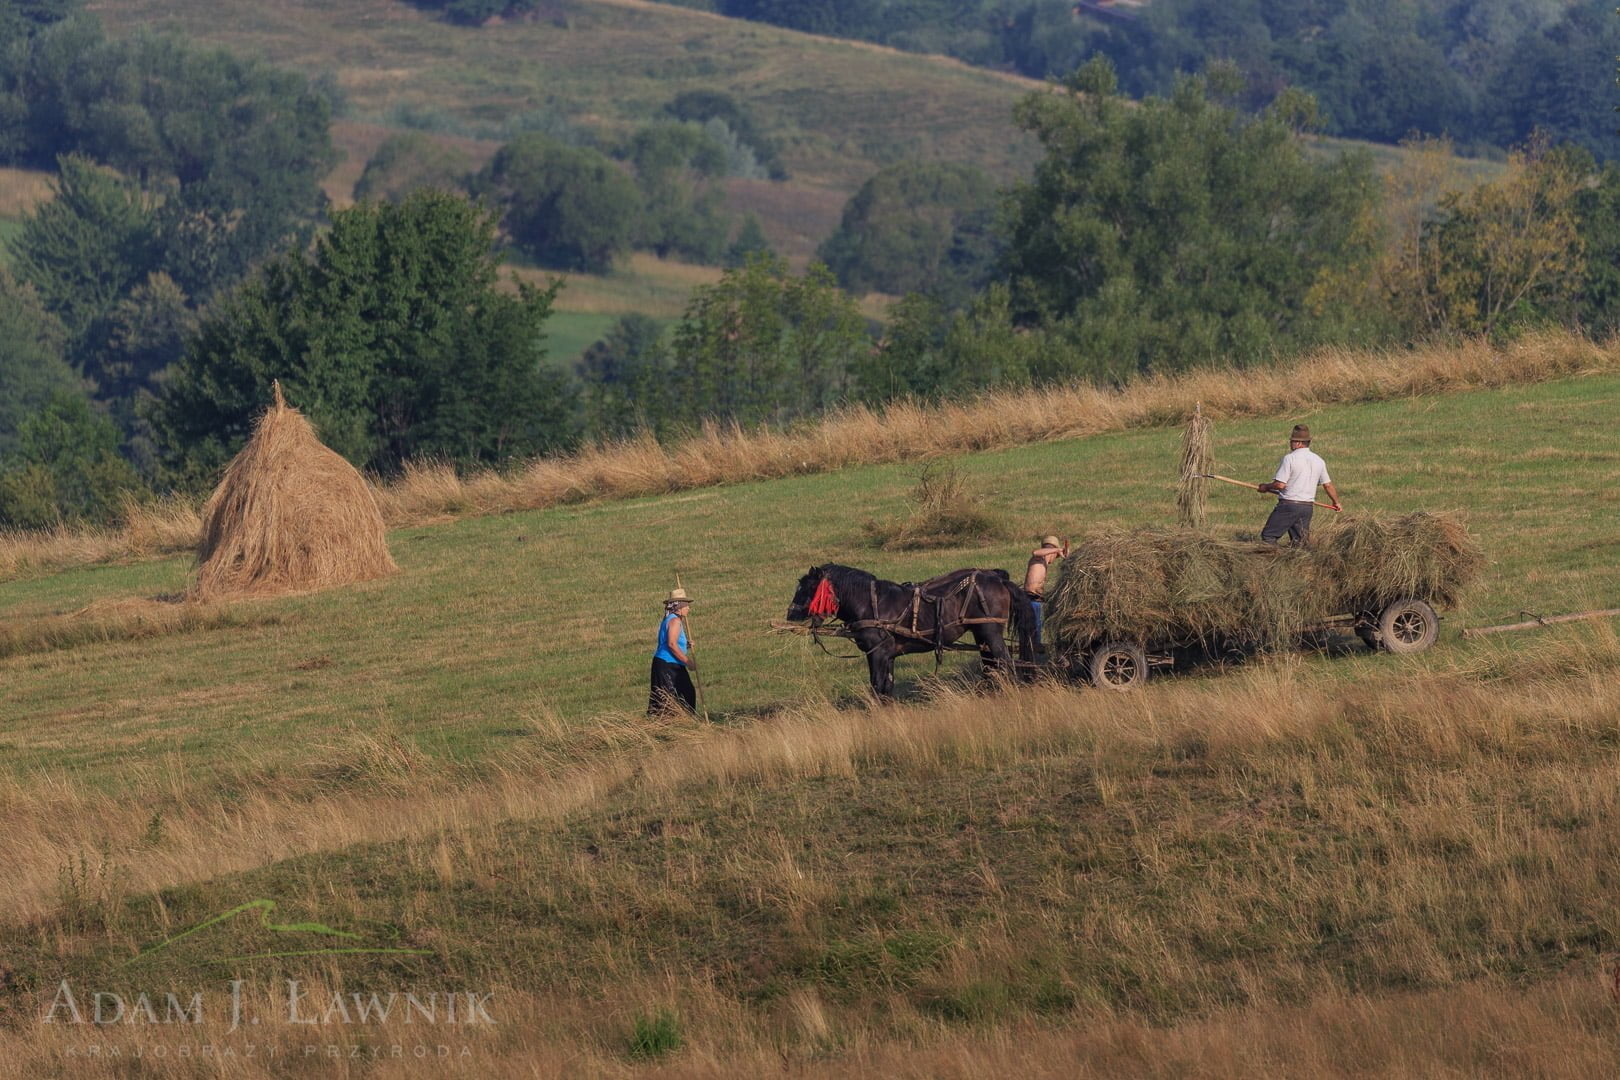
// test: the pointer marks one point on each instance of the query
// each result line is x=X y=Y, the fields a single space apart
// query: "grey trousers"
x=1293 y=518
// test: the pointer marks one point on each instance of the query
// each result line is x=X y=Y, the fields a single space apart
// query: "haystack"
x=289 y=515
x=1187 y=586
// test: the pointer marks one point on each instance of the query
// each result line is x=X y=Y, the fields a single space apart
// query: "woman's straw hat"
x=1051 y=542
x=677 y=595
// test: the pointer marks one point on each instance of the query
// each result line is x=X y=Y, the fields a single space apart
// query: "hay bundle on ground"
x=946 y=511
x=1185 y=586
x=289 y=515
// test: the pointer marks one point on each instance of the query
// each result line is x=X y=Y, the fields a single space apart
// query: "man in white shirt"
x=1297 y=477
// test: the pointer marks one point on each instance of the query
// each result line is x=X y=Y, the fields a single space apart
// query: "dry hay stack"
x=1185 y=586
x=1369 y=562
x=289 y=515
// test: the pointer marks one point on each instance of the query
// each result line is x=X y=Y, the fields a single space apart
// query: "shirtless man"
x=1051 y=550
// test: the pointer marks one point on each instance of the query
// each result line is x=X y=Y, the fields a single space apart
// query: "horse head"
x=799 y=609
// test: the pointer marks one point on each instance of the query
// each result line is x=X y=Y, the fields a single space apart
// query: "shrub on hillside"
x=678 y=169
x=477 y=12
x=704 y=106
x=564 y=206
x=916 y=227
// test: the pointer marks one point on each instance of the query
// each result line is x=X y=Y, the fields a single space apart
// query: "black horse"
x=888 y=619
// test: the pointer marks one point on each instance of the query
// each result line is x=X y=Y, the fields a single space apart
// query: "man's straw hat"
x=1301 y=434
x=677 y=595
x=1051 y=542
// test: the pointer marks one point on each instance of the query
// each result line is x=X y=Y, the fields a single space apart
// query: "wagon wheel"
x=1408 y=626
x=1118 y=665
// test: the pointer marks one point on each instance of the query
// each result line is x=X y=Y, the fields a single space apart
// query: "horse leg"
x=880 y=665
x=993 y=646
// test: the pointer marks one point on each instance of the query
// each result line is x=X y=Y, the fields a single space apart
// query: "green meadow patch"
x=497 y=625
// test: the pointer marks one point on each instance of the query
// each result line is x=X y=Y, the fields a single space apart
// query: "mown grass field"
x=496 y=620
x=453 y=761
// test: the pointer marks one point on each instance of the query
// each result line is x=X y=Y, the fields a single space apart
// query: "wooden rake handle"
x=1255 y=487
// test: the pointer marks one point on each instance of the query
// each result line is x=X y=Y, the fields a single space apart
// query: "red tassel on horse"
x=824 y=605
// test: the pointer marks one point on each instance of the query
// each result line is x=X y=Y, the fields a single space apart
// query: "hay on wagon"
x=289 y=515
x=1168 y=587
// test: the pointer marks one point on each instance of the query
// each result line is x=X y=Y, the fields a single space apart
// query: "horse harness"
x=968 y=588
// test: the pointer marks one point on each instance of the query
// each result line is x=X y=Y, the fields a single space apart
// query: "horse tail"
x=1022 y=616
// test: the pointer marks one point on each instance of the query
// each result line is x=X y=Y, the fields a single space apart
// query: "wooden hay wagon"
x=1126 y=603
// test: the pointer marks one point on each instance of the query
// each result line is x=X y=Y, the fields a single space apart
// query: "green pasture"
x=495 y=622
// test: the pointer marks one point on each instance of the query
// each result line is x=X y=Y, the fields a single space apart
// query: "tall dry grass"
x=368 y=785
x=906 y=431
x=1560 y=1030
x=1415 y=773
x=910 y=431
x=154 y=528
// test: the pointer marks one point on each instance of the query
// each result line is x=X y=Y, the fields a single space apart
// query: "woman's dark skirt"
x=672 y=689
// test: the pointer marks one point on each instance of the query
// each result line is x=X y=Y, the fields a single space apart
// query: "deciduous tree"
x=903 y=231
x=566 y=207
x=1178 y=231
x=763 y=345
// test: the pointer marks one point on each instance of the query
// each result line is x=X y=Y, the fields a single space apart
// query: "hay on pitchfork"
x=289 y=515
x=1166 y=587
x=1197 y=461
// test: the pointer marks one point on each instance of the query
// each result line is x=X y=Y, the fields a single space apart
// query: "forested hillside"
x=1486 y=72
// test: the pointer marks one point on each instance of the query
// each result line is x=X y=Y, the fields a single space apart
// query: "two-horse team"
x=887 y=619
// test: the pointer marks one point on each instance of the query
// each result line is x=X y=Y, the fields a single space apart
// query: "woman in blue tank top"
x=672 y=687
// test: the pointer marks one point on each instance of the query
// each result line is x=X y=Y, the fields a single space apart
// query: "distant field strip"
x=908 y=431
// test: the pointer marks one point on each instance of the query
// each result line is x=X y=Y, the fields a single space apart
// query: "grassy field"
x=498 y=616
x=452 y=761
